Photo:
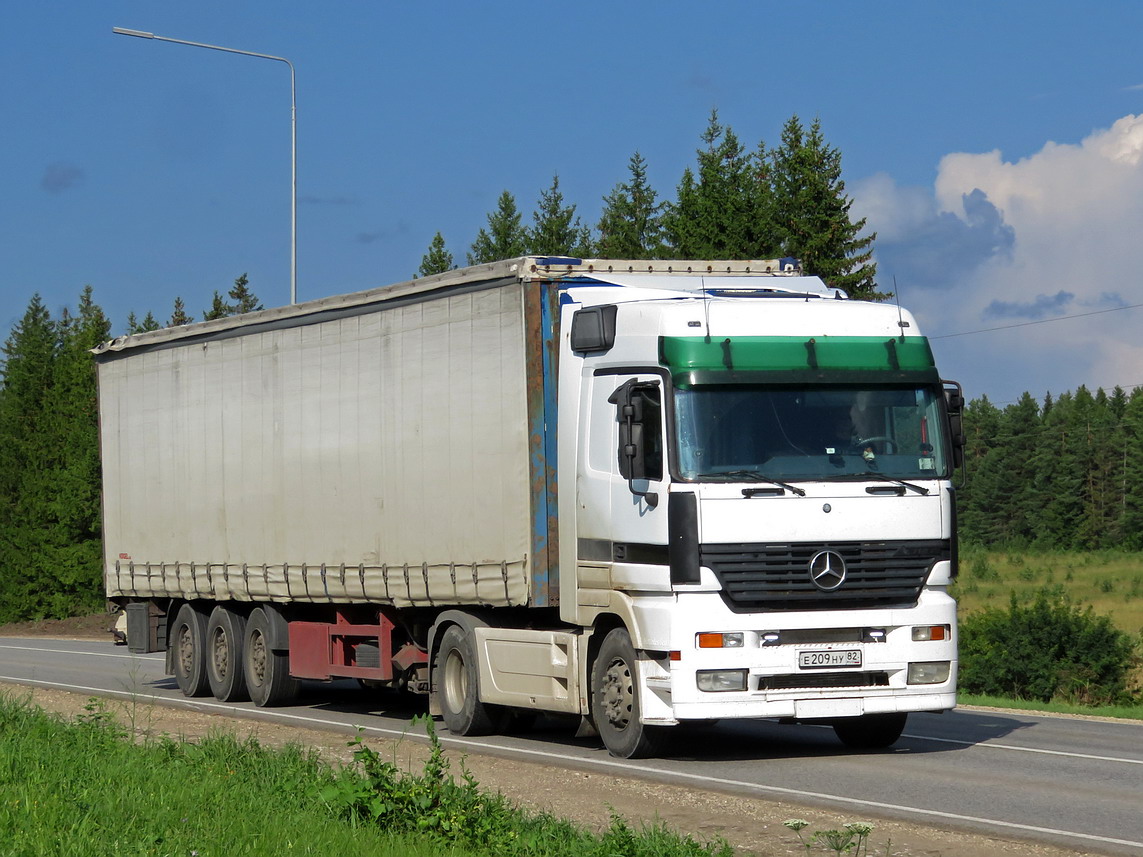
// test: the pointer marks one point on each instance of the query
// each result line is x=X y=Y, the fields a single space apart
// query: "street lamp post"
x=293 y=138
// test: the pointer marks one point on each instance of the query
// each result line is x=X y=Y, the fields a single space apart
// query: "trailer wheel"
x=457 y=684
x=615 y=700
x=188 y=647
x=267 y=672
x=225 y=641
x=870 y=731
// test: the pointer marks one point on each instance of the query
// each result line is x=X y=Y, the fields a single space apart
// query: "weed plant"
x=432 y=803
x=84 y=787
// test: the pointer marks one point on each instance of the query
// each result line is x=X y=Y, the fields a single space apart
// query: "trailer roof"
x=676 y=274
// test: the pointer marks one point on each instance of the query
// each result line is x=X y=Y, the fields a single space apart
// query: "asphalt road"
x=1069 y=782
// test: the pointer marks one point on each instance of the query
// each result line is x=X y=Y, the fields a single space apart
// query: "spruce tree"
x=136 y=326
x=437 y=260
x=811 y=212
x=711 y=215
x=504 y=238
x=70 y=569
x=179 y=314
x=1131 y=514
x=242 y=299
x=1061 y=480
x=556 y=231
x=630 y=226
x=26 y=370
x=975 y=499
x=218 y=308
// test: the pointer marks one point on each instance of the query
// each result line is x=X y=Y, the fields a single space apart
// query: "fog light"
x=931 y=632
x=929 y=672
x=721 y=681
x=720 y=641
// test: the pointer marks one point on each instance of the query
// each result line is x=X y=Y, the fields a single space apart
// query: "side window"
x=652 y=431
x=639 y=413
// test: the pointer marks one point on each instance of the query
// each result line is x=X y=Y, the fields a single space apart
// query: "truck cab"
x=762 y=522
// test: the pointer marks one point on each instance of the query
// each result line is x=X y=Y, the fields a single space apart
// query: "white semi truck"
x=639 y=493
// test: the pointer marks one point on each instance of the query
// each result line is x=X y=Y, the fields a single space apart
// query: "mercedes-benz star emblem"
x=827 y=570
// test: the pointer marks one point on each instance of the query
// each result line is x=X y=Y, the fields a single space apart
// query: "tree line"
x=50 y=516
x=1066 y=473
x=733 y=203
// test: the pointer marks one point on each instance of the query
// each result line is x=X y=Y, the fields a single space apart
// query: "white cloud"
x=995 y=242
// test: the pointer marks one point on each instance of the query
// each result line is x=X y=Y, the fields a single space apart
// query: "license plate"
x=825 y=660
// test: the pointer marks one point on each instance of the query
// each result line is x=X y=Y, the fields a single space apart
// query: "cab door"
x=622 y=481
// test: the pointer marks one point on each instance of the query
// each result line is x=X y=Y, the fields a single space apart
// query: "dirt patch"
x=96 y=626
x=753 y=826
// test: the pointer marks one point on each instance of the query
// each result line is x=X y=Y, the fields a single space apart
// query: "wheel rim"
x=186 y=650
x=257 y=659
x=220 y=653
x=618 y=694
x=455 y=681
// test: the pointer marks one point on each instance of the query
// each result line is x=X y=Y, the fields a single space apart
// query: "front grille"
x=812 y=680
x=777 y=577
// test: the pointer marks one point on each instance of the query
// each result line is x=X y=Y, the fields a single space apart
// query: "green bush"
x=1044 y=650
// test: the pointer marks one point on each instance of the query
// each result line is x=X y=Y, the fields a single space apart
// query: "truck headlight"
x=929 y=672
x=720 y=641
x=721 y=681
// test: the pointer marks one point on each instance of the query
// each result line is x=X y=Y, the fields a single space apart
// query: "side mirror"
x=593 y=329
x=954 y=407
x=637 y=439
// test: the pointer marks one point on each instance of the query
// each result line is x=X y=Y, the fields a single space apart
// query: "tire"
x=870 y=731
x=188 y=651
x=615 y=700
x=225 y=643
x=267 y=672
x=458 y=687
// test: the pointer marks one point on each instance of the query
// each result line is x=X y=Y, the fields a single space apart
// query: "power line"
x=1041 y=321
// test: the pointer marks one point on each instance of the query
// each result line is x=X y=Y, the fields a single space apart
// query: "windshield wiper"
x=880 y=477
x=752 y=476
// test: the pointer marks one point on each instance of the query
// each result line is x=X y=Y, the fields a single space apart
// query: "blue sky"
x=994 y=147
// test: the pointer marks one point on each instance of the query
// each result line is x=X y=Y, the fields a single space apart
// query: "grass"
x=1122 y=712
x=81 y=787
x=1110 y=581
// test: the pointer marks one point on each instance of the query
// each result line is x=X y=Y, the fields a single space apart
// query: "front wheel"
x=615 y=700
x=458 y=686
x=870 y=731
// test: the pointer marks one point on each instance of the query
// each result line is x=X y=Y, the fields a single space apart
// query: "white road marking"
x=617 y=766
x=988 y=745
x=43 y=650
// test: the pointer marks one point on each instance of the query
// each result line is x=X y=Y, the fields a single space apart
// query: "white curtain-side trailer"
x=637 y=493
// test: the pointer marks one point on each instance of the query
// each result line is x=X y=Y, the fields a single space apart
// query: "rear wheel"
x=615 y=700
x=225 y=633
x=267 y=672
x=870 y=731
x=188 y=649
x=458 y=687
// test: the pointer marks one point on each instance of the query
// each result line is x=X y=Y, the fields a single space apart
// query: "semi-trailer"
x=638 y=493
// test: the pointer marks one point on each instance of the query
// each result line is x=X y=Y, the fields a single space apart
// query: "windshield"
x=744 y=433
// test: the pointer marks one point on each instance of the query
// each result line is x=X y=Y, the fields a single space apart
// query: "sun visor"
x=718 y=284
